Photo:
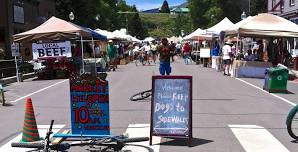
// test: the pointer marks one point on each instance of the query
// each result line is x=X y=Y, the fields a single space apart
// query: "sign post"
x=171 y=107
x=15 y=51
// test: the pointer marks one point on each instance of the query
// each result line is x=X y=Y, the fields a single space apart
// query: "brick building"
x=21 y=15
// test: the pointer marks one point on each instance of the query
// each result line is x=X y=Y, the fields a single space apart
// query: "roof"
x=180 y=10
x=53 y=28
x=264 y=25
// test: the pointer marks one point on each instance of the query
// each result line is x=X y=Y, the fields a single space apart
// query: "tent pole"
x=93 y=49
x=82 y=49
x=237 y=43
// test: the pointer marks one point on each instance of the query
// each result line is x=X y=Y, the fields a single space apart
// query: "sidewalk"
x=291 y=87
x=13 y=79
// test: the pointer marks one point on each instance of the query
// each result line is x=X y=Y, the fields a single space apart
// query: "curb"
x=13 y=79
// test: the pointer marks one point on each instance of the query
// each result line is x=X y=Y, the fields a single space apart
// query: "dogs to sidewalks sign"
x=171 y=107
x=89 y=98
x=51 y=49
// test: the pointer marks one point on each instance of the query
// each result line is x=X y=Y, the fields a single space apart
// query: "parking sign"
x=15 y=49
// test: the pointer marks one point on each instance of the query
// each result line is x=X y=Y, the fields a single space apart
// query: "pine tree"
x=135 y=26
x=165 y=7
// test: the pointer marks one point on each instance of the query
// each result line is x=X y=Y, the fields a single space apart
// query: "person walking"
x=154 y=51
x=172 y=53
x=226 y=52
x=111 y=52
x=165 y=54
x=186 y=53
x=178 y=48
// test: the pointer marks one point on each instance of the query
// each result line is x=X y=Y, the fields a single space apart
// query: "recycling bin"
x=276 y=80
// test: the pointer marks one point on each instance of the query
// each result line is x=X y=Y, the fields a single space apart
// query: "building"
x=178 y=10
x=21 y=15
x=285 y=8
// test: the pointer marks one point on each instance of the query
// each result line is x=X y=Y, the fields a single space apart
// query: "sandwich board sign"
x=89 y=99
x=171 y=107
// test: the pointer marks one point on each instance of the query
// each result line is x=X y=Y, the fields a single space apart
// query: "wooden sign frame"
x=154 y=78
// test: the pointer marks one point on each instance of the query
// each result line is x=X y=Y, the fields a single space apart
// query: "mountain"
x=156 y=10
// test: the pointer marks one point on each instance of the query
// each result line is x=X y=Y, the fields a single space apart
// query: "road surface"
x=228 y=114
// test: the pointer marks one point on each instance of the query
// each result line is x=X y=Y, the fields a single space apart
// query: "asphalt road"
x=218 y=103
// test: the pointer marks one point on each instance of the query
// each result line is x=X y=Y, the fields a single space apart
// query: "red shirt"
x=186 y=48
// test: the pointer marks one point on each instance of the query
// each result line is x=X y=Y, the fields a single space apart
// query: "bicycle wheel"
x=292 y=123
x=141 y=95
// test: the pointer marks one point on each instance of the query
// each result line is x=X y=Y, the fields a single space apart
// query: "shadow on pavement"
x=145 y=147
x=8 y=105
x=184 y=142
x=144 y=100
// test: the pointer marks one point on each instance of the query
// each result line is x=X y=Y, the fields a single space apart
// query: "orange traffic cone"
x=30 y=131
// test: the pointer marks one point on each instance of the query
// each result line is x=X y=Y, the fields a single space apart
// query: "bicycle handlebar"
x=58 y=147
x=66 y=146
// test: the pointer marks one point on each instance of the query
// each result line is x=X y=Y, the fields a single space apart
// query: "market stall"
x=206 y=38
x=58 y=45
x=263 y=26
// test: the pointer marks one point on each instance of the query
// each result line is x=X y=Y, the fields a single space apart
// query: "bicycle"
x=105 y=144
x=292 y=122
x=141 y=95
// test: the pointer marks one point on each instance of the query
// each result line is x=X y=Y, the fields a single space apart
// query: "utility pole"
x=248 y=7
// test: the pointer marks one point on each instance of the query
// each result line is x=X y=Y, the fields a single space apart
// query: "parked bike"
x=105 y=144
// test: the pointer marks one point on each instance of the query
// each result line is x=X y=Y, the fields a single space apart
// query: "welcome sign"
x=51 y=49
x=171 y=108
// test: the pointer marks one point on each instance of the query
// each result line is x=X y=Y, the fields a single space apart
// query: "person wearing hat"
x=226 y=56
x=111 y=51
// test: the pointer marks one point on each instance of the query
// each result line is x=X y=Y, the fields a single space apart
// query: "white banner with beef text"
x=57 y=49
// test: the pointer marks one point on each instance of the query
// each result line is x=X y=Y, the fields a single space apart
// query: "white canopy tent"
x=221 y=26
x=134 y=39
x=264 y=25
x=106 y=33
x=149 y=39
x=194 y=34
x=175 y=39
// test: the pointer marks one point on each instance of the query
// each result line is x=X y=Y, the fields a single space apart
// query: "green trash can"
x=276 y=80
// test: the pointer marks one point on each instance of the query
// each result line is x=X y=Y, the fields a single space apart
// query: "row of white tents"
x=118 y=34
x=262 y=25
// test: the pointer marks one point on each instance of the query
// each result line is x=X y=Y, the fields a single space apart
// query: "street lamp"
x=243 y=16
x=71 y=16
x=97 y=17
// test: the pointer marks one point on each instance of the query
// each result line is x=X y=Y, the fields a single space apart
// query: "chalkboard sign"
x=89 y=99
x=171 y=106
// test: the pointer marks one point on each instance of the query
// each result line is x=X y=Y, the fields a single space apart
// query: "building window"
x=18 y=14
x=273 y=3
x=292 y=2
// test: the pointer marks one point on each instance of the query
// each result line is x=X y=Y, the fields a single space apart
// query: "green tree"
x=258 y=6
x=182 y=23
x=197 y=10
x=165 y=7
x=135 y=25
x=205 y=13
x=86 y=11
x=214 y=15
x=231 y=9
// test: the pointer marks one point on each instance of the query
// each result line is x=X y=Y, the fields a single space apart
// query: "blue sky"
x=149 y=4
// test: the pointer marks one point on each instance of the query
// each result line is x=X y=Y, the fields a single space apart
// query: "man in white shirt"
x=226 y=56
